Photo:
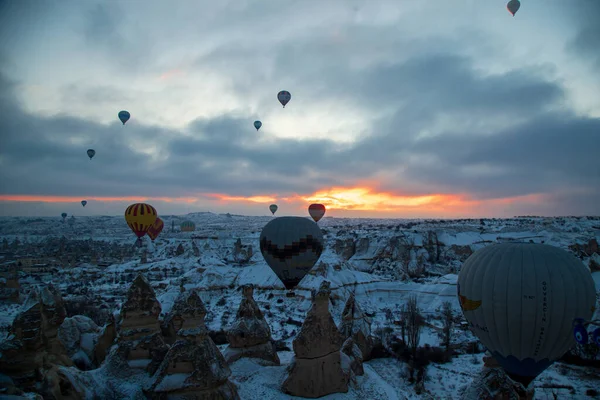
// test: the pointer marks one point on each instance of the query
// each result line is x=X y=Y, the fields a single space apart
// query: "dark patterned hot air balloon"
x=513 y=6
x=91 y=153
x=291 y=246
x=140 y=217
x=155 y=229
x=257 y=124
x=83 y=202
x=187 y=226
x=63 y=215
x=316 y=211
x=284 y=97
x=520 y=299
x=273 y=208
x=124 y=116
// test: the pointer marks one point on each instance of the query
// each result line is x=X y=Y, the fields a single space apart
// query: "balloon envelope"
x=124 y=116
x=284 y=97
x=188 y=226
x=513 y=6
x=291 y=246
x=91 y=153
x=257 y=124
x=64 y=215
x=140 y=217
x=316 y=211
x=521 y=299
x=156 y=228
x=273 y=208
x=83 y=202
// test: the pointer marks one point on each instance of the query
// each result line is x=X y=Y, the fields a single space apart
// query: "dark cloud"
x=532 y=150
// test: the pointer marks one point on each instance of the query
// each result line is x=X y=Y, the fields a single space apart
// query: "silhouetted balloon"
x=291 y=246
x=155 y=229
x=140 y=217
x=83 y=202
x=521 y=299
x=513 y=6
x=273 y=208
x=284 y=97
x=124 y=116
x=257 y=124
x=188 y=226
x=91 y=153
x=63 y=215
x=316 y=211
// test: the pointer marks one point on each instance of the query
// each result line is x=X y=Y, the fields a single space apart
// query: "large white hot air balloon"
x=521 y=299
x=291 y=246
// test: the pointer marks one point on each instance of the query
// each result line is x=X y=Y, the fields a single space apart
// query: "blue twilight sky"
x=406 y=108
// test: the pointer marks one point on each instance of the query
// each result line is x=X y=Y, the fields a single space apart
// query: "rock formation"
x=250 y=335
x=32 y=349
x=186 y=319
x=139 y=330
x=193 y=368
x=79 y=335
x=356 y=325
x=316 y=370
x=354 y=357
x=494 y=384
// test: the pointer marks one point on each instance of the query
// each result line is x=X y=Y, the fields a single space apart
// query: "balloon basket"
x=290 y=294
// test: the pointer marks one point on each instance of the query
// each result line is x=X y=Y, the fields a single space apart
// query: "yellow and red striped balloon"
x=140 y=217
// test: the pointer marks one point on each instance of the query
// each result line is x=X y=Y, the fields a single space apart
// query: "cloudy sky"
x=411 y=108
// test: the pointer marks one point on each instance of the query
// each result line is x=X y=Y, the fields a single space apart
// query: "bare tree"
x=414 y=322
x=447 y=319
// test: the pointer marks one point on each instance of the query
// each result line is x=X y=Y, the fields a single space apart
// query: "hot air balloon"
x=91 y=153
x=284 y=97
x=140 y=217
x=521 y=299
x=273 y=208
x=83 y=202
x=156 y=228
x=513 y=6
x=257 y=124
x=316 y=211
x=124 y=116
x=63 y=215
x=291 y=246
x=187 y=226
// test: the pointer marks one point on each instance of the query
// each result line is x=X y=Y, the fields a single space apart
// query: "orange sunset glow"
x=354 y=200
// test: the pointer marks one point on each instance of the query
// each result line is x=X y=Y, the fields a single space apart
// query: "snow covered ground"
x=362 y=257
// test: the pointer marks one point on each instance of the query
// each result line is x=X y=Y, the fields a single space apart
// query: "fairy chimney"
x=186 y=318
x=193 y=367
x=139 y=330
x=356 y=325
x=316 y=370
x=250 y=335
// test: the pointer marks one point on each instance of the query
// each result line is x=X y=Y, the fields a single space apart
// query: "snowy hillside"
x=382 y=262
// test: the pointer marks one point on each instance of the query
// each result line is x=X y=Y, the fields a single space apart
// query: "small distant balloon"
x=316 y=211
x=257 y=124
x=273 y=208
x=83 y=202
x=124 y=116
x=513 y=6
x=284 y=97
x=91 y=153
x=63 y=215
